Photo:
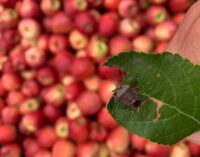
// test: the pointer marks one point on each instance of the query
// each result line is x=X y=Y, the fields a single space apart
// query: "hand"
x=186 y=42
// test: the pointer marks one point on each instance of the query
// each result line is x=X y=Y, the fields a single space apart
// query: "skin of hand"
x=186 y=42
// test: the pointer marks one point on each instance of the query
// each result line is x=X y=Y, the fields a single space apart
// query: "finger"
x=184 y=29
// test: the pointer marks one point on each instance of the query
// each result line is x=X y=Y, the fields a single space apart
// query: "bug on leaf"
x=127 y=95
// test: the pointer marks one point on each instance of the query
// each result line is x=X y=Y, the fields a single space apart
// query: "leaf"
x=169 y=87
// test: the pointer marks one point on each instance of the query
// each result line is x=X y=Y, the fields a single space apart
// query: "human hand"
x=186 y=42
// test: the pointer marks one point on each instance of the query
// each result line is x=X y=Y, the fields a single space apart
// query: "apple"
x=28 y=9
x=46 y=137
x=106 y=89
x=14 y=115
x=89 y=102
x=156 y=14
x=43 y=42
x=78 y=40
x=35 y=57
x=128 y=8
x=62 y=127
x=111 y=5
x=157 y=150
x=58 y=43
x=29 y=28
x=79 y=129
x=85 y=23
x=30 y=88
x=129 y=27
x=118 y=140
x=82 y=68
x=143 y=43
x=178 y=18
x=11 y=150
x=52 y=113
x=14 y=98
x=178 y=6
x=73 y=7
x=194 y=149
x=165 y=31
x=158 y=1
x=50 y=7
x=95 y=3
x=98 y=132
x=73 y=90
x=60 y=23
x=144 y=4
x=180 y=149
x=138 y=142
x=111 y=20
x=46 y=76
x=8 y=133
x=72 y=110
x=105 y=119
x=92 y=83
x=43 y=153
x=31 y=146
x=11 y=81
x=29 y=105
x=119 y=44
x=161 y=47
x=89 y=149
x=97 y=49
x=63 y=148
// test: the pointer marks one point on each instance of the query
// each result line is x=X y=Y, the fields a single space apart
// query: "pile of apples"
x=53 y=85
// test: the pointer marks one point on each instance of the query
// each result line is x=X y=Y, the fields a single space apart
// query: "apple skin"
x=30 y=88
x=62 y=127
x=180 y=149
x=194 y=149
x=178 y=6
x=105 y=119
x=52 y=113
x=63 y=148
x=14 y=98
x=50 y=7
x=79 y=129
x=118 y=140
x=31 y=146
x=89 y=149
x=11 y=81
x=138 y=142
x=14 y=115
x=111 y=5
x=8 y=133
x=98 y=132
x=42 y=153
x=12 y=150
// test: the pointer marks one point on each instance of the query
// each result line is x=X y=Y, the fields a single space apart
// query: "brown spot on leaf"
x=158 y=75
x=158 y=106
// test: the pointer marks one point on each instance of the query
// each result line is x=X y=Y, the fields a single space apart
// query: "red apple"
x=43 y=153
x=194 y=149
x=178 y=6
x=89 y=103
x=106 y=89
x=98 y=132
x=78 y=40
x=73 y=90
x=118 y=140
x=11 y=150
x=72 y=110
x=46 y=76
x=50 y=7
x=73 y=7
x=119 y=44
x=138 y=142
x=180 y=149
x=111 y=4
x=35 y=57
x=8 y=133
x=29 y=105
x=156 y=14
x=95 y=3
x=62 y=127
x=161 y=47
x=156 y=150
x=63 y=148
x=60 y=23
x=110 y=20
x=2 y=89
x=158 y=1
x=29 y=28
x=14 y=98
x=165 y=31
x=52 y=113
x=58 y=43
x=85 y=23
x=43 y=42
x=11 y=81
x=82 y=68
x=30 y=88
x=105 y=119
x=89 y=149
x=28 y=9
x=92 y=83
x=31 y=146
x=46 y=137
x=129 y=27
x=128 y=8
x=62 y=62
x=143 y=43
x=14 y=115
x=178 y=18
x=79 y=129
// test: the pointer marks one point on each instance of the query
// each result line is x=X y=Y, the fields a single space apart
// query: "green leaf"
x=169 y=87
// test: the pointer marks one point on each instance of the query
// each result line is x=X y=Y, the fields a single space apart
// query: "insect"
x=127 y=95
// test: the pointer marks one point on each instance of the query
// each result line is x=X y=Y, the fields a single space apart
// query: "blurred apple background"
x=53 y=85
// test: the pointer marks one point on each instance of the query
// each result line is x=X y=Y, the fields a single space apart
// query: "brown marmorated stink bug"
x=127 y=95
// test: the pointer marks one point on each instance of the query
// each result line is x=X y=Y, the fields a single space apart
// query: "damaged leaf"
x=169 y=96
